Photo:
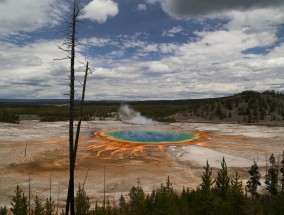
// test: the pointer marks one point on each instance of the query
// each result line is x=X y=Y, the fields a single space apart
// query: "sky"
x=143 y=49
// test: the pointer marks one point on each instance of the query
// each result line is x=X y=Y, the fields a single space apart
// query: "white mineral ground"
x=41 y=151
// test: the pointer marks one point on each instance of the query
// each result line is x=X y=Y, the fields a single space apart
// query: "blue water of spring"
x=145 y=136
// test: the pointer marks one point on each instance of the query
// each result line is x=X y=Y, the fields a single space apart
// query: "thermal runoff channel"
x=142 y=136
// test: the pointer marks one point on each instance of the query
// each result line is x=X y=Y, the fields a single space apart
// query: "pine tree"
x=108 y=209
x=122 y=203
x=165 y=200
x=204 y=194
x=184 y=200
x=237 y=199
x=97 y=210
x=150 y=202
x=253 y=182
x=3 y=210
x=39 y=209
x=19 y=203
x=236 y=184
x=207 y=181
x=169 y=186
x=218 y=111
x=49 y=207
x=282 y=175
x=82 y=204
x=137 y=197
x=271 y=178
x=222 y=180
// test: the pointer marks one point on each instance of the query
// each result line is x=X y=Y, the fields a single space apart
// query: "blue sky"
x=144 y=49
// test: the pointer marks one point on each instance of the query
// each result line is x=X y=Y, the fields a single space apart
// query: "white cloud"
x=212 y=63
x=100 y=10
x=171 y=32
x=167 y=48
x=216 y=62
x=259 y=20
x=152 y=1
x=29 y=71
x=141 y=7
x=150 y=48
x=27 y=16
x=98 y=42
x=133 y=43
x=158 y=67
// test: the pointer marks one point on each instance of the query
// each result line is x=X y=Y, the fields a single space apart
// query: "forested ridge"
x=221 y=195
x=245 y=107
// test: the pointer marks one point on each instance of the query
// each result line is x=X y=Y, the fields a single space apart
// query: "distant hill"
x=245 y=107
x=31 y=102
x=14 y=110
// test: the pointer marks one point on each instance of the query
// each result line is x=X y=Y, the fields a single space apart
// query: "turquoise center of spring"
x=144 y=136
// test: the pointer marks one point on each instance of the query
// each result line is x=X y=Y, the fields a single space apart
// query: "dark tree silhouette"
x=69 y=47
x=19 y=203
x=38 y=208
x=205 y=191
x=207 y=181
x=82 y=203
x=282 y=171
x=253 y=182
x=271 y=178
x=223 y=180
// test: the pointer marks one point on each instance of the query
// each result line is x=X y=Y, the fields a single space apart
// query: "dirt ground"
x=39 y=151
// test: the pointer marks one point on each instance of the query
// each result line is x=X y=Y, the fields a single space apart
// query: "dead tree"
x=69 y=47
x=71 y=43
x=70 y=195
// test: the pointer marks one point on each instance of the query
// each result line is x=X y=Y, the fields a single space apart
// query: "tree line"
x=91 y=112
x=220 y=195
x=245 y=107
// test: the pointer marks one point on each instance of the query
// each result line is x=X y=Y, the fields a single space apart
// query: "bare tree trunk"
x=70 y=195
x=81 y=112
x=104 y=203
x=57 y=205
x=77 y=139
x=73 y=144
x=85 y=178
x=29 y=193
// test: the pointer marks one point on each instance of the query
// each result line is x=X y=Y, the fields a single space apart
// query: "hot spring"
x=147 y=136
x=129 y=142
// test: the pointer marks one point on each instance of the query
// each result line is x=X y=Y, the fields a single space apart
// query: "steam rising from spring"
x=129 y=115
